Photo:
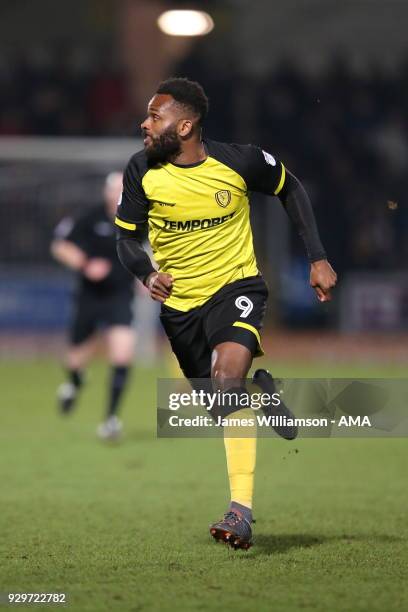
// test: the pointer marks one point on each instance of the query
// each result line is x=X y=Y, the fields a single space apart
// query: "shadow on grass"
x=267 y=544
x=127 y=440
x=135 y=435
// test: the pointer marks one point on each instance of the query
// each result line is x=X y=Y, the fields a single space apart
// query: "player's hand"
x=96 y=269
x=159 y=285
x=322 y=278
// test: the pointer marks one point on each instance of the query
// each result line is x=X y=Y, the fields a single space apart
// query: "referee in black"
x=103 y=301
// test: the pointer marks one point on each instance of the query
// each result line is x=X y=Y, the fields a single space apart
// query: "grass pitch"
x=125 y=527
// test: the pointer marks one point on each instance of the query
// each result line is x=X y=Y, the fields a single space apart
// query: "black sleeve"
x=297 y=204
x=133 y=206
x=132 y=254
x=131 y=220
x=263 y=172
x=268 y=175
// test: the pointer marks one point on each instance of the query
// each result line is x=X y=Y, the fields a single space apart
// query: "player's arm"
x=66 y=244
x=131 y=220
x=299 y=209
x=268 y=175
x=69 y=248
x=135 y=259
x=68 y=254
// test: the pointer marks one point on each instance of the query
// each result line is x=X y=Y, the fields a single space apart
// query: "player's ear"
x=185 y=128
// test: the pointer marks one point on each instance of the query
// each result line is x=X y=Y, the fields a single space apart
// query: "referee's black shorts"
x=235 y=313
x=94 y=312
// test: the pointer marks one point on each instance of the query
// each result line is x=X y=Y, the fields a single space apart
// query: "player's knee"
x=77 y=357
x=229 y=365
x=121 y=346
x=226 y=374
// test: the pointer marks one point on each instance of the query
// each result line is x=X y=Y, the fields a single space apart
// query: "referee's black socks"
x=76 y=377
x=118 y=381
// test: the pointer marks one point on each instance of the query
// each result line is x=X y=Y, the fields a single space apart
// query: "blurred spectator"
x=344 y=134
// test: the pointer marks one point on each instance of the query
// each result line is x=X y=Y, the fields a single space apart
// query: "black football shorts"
x=235 y=314
x=92 y=313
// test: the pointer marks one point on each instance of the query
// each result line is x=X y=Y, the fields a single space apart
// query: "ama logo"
x=359 y=421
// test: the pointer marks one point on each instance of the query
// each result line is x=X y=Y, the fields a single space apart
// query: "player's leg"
x=117 y=316
x=120 y=342
x=78 y=353
x=120 y=345
x=233 y=323
x=230 y=365
x=188 y=342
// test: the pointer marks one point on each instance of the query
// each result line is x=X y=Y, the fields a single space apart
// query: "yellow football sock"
x=241 y=457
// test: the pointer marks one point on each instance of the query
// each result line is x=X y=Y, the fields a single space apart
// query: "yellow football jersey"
x=198 y=216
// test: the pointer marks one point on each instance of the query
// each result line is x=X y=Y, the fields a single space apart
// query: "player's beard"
x=164 y=148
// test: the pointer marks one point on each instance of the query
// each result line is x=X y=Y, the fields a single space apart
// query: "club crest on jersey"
x=223 y=197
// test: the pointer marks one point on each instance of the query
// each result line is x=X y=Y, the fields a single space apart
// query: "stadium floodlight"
x=185 y=23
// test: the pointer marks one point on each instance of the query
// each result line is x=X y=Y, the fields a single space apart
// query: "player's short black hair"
x=188 y=93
